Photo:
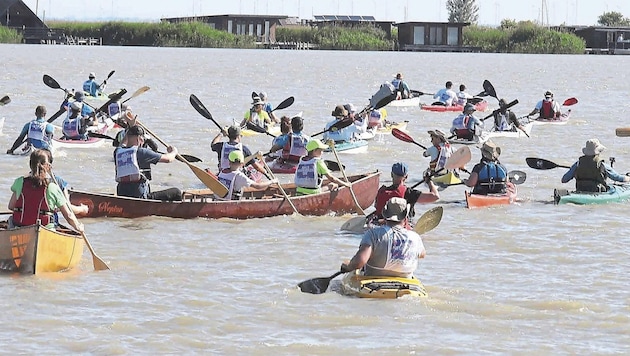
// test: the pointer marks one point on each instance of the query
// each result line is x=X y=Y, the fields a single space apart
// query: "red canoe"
x=254 y=203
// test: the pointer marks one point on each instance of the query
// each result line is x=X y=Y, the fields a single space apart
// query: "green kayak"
x=616 y=193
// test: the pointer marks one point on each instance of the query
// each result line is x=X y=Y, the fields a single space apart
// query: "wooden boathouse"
x=433 y=37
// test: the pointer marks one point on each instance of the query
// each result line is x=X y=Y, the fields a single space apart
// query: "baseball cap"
x=400 y=169
x=314 y=144
x=236 y=156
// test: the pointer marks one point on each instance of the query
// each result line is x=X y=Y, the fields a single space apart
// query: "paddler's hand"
x=345 y=269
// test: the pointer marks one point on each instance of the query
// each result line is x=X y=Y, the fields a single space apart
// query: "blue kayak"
x=616 y=193
x=354 y=146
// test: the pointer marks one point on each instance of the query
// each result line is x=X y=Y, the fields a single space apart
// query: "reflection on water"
x=531 y=276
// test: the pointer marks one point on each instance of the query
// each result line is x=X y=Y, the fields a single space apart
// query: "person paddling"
x=339 y=136
x=505 y=119
x=91 y=87
x=590 y=171
x=466 y=124
x=293 y=144
x=389 y=250
x=399 y=174
x=548 y=107
x=234 y=178
x=233 y=143
x=402 y=89
x=257 y=114
x=311 y=170
x=37 y=132
x=35 y=197
x=488 y=176
x=446 y=96
x=439 y=151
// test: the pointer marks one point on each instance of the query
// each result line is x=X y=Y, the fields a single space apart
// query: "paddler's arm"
x=359 y=259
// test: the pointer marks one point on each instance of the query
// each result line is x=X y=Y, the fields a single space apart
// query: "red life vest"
x=546 y=111
x=32 y=205
x=386 y=193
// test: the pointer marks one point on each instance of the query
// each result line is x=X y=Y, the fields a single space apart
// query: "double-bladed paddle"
x=140 y=91
x=5 y=100
x=403 y=136
x=488 y=89
x=514 y=177
x=570 y=101
x=104 y=83
x=542 y=164
x=427 y=222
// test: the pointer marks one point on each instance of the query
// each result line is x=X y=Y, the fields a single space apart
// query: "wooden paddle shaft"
x=286 y=196
x=343 y=172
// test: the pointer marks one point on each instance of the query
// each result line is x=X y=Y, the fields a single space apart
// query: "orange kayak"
x=482 y=201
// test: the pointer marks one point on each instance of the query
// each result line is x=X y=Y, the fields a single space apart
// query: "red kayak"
x=480 y=106
x=281 y=167
x=482 y=201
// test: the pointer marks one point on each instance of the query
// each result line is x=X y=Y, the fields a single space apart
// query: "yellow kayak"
x=448 y=179
x=356 y=284
x=274 y=130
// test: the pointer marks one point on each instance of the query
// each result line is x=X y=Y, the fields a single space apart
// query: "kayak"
x=476 y=139
x=405 y=102
x=91 y=142
x=387 y=129
x=356 y=284
x=355 y=146
x=515 y=134
x=480 y=106
x=616 y=193
x=564 y=118
x=100 y=97
x=482 y=201
x=449 y=178
x=282 y=167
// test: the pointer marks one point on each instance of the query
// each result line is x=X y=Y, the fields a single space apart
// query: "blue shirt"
x=38 y=143
x=610 y=173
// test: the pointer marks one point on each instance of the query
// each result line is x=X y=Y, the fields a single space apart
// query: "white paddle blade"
x=459 y=158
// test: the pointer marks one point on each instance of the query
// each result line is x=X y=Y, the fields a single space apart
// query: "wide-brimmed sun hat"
x=593 y=147
x=340 y=112
x=439 y=134
x=490 y=151
x=396 y=209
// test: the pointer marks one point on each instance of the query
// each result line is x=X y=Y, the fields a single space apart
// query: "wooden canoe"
x=254 y=203
x=35 y=249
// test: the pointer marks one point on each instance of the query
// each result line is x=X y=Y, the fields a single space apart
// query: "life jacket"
x=492 y=179
x=294 y=148
x=386 y=193
x=375 y=119
x=37 y=134
x=87 y=86
x=72 y=128
x=127 y=168
x=306 y=174
x=444 y=152
x=546 y=111
x=501 y=121
x=226 y=177
x=224 y=162
x=113 y=109
x=32 y=205
x=460 y=124
x=461 y=98
x=590 y=175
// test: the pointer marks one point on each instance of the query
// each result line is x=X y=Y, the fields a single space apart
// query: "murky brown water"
x=532 y=277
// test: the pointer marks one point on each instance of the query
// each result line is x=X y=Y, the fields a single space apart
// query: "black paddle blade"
x=285 y=103
x=334 y=165
x=198 y=105
x=51 y=82
x=254 y=127
x=99 y=135
x=315 y=285
x=110 y=74
x=386 y=100
x=254 y=95
x=190 y=158
x=517 y=177
x=5 y=100
x=489 y=89
x=539 y=163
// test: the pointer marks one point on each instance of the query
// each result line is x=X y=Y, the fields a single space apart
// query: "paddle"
x=208 y=180
x=542 y=164
x=419 y=93
x=142 y=90
x=515 y=177
x=570 y=101
x=286 y=196
x=427 y=222
x=284 y=104
x=488 y=88
x=494 y=112
x=102 y=86
x=403 y=136
x=201 y=109
x=457 y=159
x=5 y=100
x=97 y=262
x=357 y=206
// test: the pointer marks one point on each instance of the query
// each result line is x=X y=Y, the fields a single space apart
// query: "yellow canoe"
x=35 y=249
x=356 y=284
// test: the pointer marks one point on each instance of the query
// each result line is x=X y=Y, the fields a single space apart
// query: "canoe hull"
x=513 y=134
x=361 y=286
x=357 y=146
x=255 y=203
x=483 y=201
x=617 y=193
x=405 y=102
x=564 y=118
x=35 y=249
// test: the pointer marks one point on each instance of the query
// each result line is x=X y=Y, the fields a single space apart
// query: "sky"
x=491 y=12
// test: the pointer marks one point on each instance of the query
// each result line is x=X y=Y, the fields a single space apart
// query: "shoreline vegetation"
x=510 y=37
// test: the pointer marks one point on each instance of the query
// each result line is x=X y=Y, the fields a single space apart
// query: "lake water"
x=530 y=278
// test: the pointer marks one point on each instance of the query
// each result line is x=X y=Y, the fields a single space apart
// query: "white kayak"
x=516 y=133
